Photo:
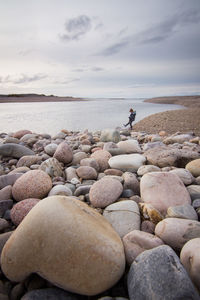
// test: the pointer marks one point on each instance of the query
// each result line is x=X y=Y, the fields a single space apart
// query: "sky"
x=100 y=48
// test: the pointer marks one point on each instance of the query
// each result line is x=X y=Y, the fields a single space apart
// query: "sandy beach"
x=183 y=120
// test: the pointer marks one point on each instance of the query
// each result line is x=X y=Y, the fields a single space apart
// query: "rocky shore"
x=112 y=214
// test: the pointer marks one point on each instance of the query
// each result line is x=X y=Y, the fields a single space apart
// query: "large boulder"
x=32 y=184
x=68 y=243
x=158 y=274
x=162 y=190
x=15 y=150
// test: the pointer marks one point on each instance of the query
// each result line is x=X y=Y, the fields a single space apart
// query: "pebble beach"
x=111 y=214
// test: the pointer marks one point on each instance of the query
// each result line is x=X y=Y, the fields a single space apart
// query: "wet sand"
x=183 y=120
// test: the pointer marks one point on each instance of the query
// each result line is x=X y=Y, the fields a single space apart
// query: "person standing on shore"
x=131 y=118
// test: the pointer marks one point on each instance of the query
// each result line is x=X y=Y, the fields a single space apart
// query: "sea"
x=92 y=114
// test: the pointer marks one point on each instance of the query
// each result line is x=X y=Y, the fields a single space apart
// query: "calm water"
x=92 y=115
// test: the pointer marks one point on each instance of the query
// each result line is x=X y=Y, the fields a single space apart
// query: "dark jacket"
x=132 y=116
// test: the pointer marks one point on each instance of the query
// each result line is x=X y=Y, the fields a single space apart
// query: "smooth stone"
x=60 y=190
x=33 y=184
x=194 y=191
x=184 y=175
x=113 y=172
x=196 y=203
x=150 y=213
x=50 y=294
x=70 y=174
x=124 y=216
x=87 y=258
x=6 y=193
x=194 y=167
x=147 y=169
x=90 y=162
x=21 y=209
x=190 y=258
x=110 y=135
x=19 y=170
x=20 y=133
x=77 y=157
x=136 y=241
x=158 y=274
x=102 y=157
x=162 y=190
x=129 y=146
x=5 y=205
x=131 y=182
x=183 y=212
x=105 y=192
x=127 y=162
x=63 y=153
x=15 y=150
x=179 y=138
x=82 y=190
x=165 y=156
x=52 y=167
x=50 y=149
x=86 y=172
x=27 y=161
x=176 y=232
x=151 y=145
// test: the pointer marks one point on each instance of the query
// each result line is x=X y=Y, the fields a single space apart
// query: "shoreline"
x=181 y=120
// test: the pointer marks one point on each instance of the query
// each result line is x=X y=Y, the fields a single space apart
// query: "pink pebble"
x=21 y=209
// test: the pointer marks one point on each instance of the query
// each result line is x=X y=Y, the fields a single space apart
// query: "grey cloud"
x=67 y=81
x=156 y=33
x=88 y=68
x=23 y=78
x=77 y=27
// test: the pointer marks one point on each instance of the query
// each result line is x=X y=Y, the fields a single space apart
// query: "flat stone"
x=190 y=258
x=33 y=184
x=15 y=150
x=169 y=282
x=124 y=216
x=127 y=162
x=162 y=190
x=136 y=241
x=52 y=167
x=87 y=258
x=183 y=212
x=105 y=191
x=176 y=232
x=194 y=167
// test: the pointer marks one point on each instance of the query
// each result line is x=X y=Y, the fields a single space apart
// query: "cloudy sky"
x=100 y=48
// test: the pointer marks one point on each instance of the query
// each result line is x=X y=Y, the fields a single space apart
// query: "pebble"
x=63 y=153
x=127 y=162
x=50 y=149
x=52 y=167
x=86 y=172
x=183 y=212
x=194 y=191
x=60 y=190
x=9 y=179
x=129 y=146
x=21 y=209
x=102 y=157
x=194 y=167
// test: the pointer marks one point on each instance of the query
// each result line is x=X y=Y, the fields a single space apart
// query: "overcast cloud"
x=107 y=48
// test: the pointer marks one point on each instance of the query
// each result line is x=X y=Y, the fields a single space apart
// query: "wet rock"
x=124 y=216
x=33 y=184
x=162 y=190
x=64 y=263
x=15 y=150
x=169 y=282
x=176 y=232
x=105 y=192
